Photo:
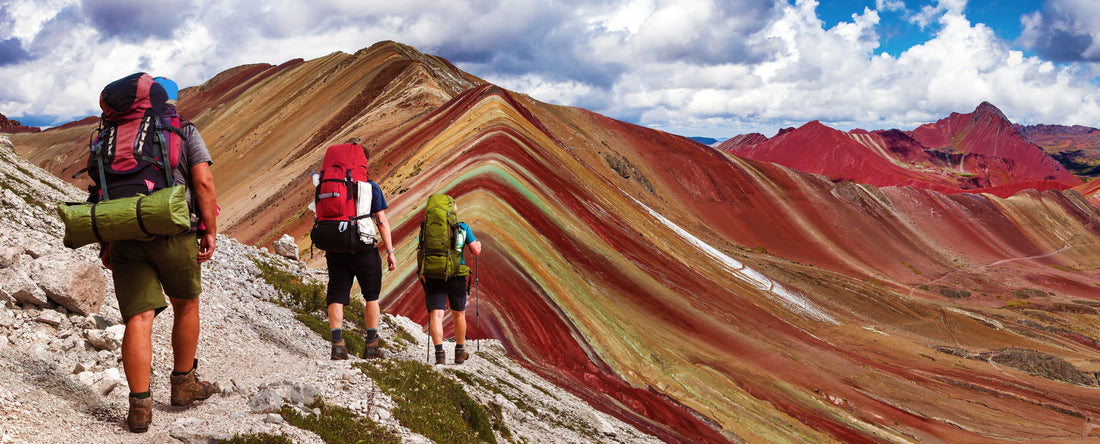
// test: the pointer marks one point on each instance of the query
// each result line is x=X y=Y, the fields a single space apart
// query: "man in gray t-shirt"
x=144 y=271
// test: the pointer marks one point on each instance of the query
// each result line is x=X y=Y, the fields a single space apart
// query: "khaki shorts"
x=145 y=271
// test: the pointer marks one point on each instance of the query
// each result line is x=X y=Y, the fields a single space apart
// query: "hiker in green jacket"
x=439 y=292
x=144 y=271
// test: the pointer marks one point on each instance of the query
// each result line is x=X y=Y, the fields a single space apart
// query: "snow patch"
x=794 y=301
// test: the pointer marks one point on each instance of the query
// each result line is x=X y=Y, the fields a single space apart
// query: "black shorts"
x=344 y=267
x=438 y=292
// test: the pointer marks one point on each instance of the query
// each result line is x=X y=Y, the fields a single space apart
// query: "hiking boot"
x=373 y=351
x=440 y=358
x=141 y=414
x=339 y=351
x=187 y=388
x=461 y=356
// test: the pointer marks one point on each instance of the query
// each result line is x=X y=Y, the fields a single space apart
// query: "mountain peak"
x=987 y=112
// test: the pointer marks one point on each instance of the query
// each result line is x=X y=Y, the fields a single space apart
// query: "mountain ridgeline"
x=816 y=286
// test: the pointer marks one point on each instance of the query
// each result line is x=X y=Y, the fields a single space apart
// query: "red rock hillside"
x=13 y=126
x=702 y=297
x=1077 y=147
x=978 y=152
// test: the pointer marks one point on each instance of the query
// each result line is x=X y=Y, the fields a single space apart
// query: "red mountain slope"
x=1076 y=147
x=701 y=297
x=987 y=132
x=978 y=152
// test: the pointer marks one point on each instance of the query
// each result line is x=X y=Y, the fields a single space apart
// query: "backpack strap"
x=97 y=152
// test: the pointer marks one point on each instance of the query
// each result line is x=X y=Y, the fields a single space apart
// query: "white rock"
x=49 y=317
x=286 y=247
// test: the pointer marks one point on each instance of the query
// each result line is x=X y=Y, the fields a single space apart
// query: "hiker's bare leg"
x=371 y=313
x=460 y=326
x=137 y=350
x=335 y=316
x=185 y=333
x=435 y=326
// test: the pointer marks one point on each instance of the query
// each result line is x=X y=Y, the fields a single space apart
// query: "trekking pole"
x=477 y=303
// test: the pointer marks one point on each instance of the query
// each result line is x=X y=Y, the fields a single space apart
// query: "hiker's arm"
x=387 y=243
x=202 y=181
x=475 y=247
x=105 y=254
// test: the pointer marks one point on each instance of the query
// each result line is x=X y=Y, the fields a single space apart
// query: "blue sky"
x=691 y=67
x=897 y=33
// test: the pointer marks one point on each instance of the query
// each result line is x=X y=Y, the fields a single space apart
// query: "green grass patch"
x=339 y=425
x=911 y=267
x=299 y=295
x=430 y=403
x=257 y=438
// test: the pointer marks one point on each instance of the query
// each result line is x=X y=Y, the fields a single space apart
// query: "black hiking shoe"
x=373 y=350
x=339 y=351
x=440 y=358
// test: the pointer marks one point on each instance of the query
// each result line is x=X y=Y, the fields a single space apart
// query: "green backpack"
x=437 y=256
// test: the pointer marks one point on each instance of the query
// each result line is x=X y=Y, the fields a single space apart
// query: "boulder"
x=9 y=256
x=15 y=285
x=286 y=247
x=70 y=282
x=109 y=339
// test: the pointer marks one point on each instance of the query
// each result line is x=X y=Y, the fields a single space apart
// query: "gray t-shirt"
x=192 y=152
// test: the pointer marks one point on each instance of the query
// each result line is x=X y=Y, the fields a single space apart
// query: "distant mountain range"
x=936 y=285
x=977 y=152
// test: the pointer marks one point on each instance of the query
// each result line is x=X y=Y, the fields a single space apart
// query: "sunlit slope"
x=629 y=263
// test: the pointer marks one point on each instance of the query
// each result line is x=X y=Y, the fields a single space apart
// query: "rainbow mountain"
x=701 y=295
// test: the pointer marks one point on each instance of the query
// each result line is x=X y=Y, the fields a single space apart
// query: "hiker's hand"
x=392 y=260
x=105 y=255
x=206 y=246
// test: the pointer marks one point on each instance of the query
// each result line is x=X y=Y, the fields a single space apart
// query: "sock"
x=335 y=335
x=141 y=395
x=439 y=348
x=459 y=348
x=372 y=334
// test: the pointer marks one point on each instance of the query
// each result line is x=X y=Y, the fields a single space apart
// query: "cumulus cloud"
x=1064 y=31
x=695 y=67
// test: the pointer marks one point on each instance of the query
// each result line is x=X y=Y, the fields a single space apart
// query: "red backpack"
x=136 y=146
x=342 y=202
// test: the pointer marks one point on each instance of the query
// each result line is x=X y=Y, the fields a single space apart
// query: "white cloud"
x=699 y=67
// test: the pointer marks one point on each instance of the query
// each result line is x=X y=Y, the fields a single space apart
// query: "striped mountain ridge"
x=701 y=296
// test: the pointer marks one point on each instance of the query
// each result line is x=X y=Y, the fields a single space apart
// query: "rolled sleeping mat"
x=139 y=217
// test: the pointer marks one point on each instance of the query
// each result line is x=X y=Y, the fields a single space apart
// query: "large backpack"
x=342 y=202
x=438 y=255
x=136 y=147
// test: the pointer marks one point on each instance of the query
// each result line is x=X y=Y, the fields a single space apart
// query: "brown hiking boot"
x=373 y=351
x=141 y=414
x=339 y=351
x=440 y=358
x=187 y=388
x=461 y=356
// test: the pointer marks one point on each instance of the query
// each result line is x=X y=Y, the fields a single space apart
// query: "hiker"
x=445 y=282
x=346 y=197
x=144 y=271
